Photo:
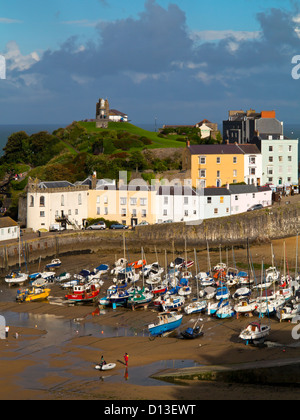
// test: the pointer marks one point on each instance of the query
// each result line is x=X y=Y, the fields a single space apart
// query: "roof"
x=116 y=112
x=175 y=190
x=222 y=149
x=242 y=189
x=55 y=184
x=7 y=222
x=216 y=191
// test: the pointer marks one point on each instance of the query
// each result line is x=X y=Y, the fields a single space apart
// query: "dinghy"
x=107 y=366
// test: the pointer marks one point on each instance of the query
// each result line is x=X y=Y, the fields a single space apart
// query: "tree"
x=15 y=148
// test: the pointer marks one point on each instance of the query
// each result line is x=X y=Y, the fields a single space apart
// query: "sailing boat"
x=16 y=277
x=255 y=330
x=199 y=305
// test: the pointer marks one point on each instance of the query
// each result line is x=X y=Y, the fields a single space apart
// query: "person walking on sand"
x=126 y=359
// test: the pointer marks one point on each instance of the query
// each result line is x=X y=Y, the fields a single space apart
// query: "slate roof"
x=221 y=149
x=55 y=184
x=175 y=190
x=216 y=191
x=7 y=222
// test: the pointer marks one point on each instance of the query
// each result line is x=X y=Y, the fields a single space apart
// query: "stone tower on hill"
x=102 y=113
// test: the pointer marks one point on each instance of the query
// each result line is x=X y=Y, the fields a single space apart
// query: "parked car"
x=168 y=221
x=96 y=226
x=118 y=226
x=143 y=223
x=255 y=207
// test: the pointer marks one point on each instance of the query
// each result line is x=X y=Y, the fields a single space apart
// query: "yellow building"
x=214 y=165
x=126 y=204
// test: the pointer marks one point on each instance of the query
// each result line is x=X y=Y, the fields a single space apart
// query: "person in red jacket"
x=126 y=359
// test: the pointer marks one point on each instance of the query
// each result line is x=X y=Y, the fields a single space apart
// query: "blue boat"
x=54 y=263
x=167 y=321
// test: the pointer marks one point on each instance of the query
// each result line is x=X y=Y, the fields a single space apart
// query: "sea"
x=291 y=131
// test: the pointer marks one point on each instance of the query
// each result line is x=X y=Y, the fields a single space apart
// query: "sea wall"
x=258 y=226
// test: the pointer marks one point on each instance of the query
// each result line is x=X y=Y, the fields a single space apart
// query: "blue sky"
x=179 y=61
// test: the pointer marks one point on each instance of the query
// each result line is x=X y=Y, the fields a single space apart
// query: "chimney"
x=94 y=180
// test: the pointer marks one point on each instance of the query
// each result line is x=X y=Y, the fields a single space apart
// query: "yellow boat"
x=32 y=295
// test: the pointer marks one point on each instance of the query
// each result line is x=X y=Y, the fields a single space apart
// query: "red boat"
x=83 y=294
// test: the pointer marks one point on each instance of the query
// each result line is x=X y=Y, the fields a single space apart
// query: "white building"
x=177 y=203
x=49 y=203
x=245 y=196
x=9 y=229
x=252 y=164
x=280 y=161
x=215 y=202
x=117 y=116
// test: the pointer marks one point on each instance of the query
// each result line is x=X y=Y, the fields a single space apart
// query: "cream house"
x=127 y=204
x=58 y=202
x=9 y=229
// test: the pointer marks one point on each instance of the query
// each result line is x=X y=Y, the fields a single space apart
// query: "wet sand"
x=64 y=369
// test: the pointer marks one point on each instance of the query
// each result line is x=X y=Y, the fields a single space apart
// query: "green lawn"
x=157 y=142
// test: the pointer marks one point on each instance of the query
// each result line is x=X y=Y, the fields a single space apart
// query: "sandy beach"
x=45 y=363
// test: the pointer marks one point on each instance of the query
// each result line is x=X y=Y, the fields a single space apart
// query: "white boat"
x=225 y=311
x=185 y=291
x=288 y=311
x=272 y=274
x=106 y=366
x=56 y=262
x=208 y=292
x=255 y=331
x=46 y=278
x=241 y=293
x=195 y=307
x=245 y=306
x=270 y=306
x=172 y=303
x=63 y=277
x=16 y=278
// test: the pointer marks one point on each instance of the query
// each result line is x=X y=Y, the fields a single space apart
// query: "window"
x=42 y=214
x=56 y=213
x=144 y=212
x=290 y=148
x=133 y=212
x=289 y=158
x=42 y=201
x=143 y=201
x=216 y=211
x=123 y=212
x=270 y=179
x=98 y=210
x=252 y=171
x=186 y=200
x=79 y=199
x=202 y=160
x=105 y=199
x=202 y=173
x=236 y=197
x=98 y=199
x=123 y=201
x=165 y=213
x=252 y=160
x=270 y=158
x=76 y=211
x=208 y=200
x=31 y=201
x=280 y=158
x=218 y=174
x=62 y=200
x=133 y=201
x=186 y=212
x=106 y=211
x=253 y=195
x=289 y=179
x=234 y=159
x=221 y=199
x=218 y=160
x=235 y=173
x=270 y=148
x=69 y=212
x=227 y=209
x=166 y=200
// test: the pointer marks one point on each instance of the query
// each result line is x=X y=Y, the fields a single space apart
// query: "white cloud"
x=15 y=59
x=219 y=35
x=7 y=20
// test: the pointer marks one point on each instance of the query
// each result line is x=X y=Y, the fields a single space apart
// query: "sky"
x=168 y=61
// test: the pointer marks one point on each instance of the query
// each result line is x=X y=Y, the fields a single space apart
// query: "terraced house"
x=215 y=165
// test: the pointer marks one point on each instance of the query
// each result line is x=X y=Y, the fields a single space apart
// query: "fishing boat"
x=83 y=293
x=16 y=277
x=140 y=298
x=191 y=333
x=196 y=307
x=172 y=303
x=119 y=298
x=54 y=263
x=255 y=331
x=32 y=295
x=167 y=322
